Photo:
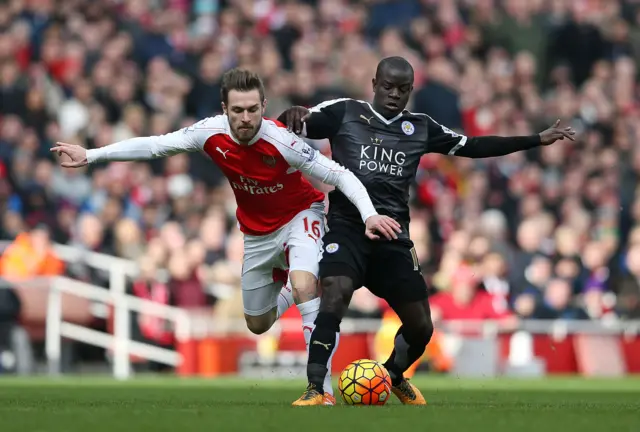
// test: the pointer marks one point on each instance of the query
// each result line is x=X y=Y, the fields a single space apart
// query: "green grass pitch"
x=231 y=404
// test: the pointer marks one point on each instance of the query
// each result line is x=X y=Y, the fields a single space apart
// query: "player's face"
x=245 y=111
x=392 y=89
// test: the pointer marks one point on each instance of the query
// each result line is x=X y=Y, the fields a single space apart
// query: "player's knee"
x=427 y=324
x=304 y=285
x=258 y=324
x=420 y=332
x=336 y=293
x=427 y=332
x=257 y=327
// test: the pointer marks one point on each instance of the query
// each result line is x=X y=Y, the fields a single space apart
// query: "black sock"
x=406 y=350
x=321 y=345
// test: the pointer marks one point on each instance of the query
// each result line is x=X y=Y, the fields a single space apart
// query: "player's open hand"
x=77 y=154
x=555 y=133
x=383 y=225
x=294 y=118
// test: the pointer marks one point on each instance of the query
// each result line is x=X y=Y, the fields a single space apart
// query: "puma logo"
x=224 y=153
x=327 y=346
x=368 y=120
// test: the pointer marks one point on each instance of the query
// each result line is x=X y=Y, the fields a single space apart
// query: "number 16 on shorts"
x=305 y=240
x=312 y=228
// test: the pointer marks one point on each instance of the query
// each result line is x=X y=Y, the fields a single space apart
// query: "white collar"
x=381 y=117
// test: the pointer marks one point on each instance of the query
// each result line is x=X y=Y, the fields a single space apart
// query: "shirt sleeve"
x=308 y=160
x=189 y=139
x=325 y=119
x=492 y=146
x=443 y=140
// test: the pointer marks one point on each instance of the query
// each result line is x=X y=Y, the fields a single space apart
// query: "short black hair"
x=241 y=80
x=395 y=62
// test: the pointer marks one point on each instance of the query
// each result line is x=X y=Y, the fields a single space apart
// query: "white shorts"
x=295 y=246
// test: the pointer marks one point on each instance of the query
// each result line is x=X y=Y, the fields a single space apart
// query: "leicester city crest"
x=408 y=128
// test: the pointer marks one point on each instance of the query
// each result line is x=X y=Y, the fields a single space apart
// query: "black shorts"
x=389 y=269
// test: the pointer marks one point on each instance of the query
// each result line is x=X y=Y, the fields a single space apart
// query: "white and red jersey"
x=266 y=175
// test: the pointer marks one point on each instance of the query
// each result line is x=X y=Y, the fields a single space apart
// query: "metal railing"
x=189 y=326
x=121 y=342
x=119 y=270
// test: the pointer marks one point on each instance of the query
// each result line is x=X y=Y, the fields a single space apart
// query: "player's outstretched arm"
x=135 y=149
x=490 y=146
x=320 y=122
x=443 y=140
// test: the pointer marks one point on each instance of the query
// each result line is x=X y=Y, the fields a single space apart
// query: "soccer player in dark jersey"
x=382 y=143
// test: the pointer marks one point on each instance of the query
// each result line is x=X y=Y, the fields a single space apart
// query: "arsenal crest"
x=269 y=160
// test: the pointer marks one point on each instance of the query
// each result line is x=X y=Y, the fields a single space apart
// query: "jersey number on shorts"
x=416 y=262
x=312 y=229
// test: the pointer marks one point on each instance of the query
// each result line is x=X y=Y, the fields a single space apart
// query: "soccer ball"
x=365 y=382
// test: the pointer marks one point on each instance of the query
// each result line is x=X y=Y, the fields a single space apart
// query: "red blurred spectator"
x=465 y=301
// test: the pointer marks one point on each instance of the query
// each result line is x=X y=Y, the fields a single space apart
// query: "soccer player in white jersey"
x=279 y=211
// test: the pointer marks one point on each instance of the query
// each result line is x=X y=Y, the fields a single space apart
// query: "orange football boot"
x=311 y=397
x=408 y=393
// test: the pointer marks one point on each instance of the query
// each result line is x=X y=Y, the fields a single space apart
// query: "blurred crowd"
x=551 y=233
